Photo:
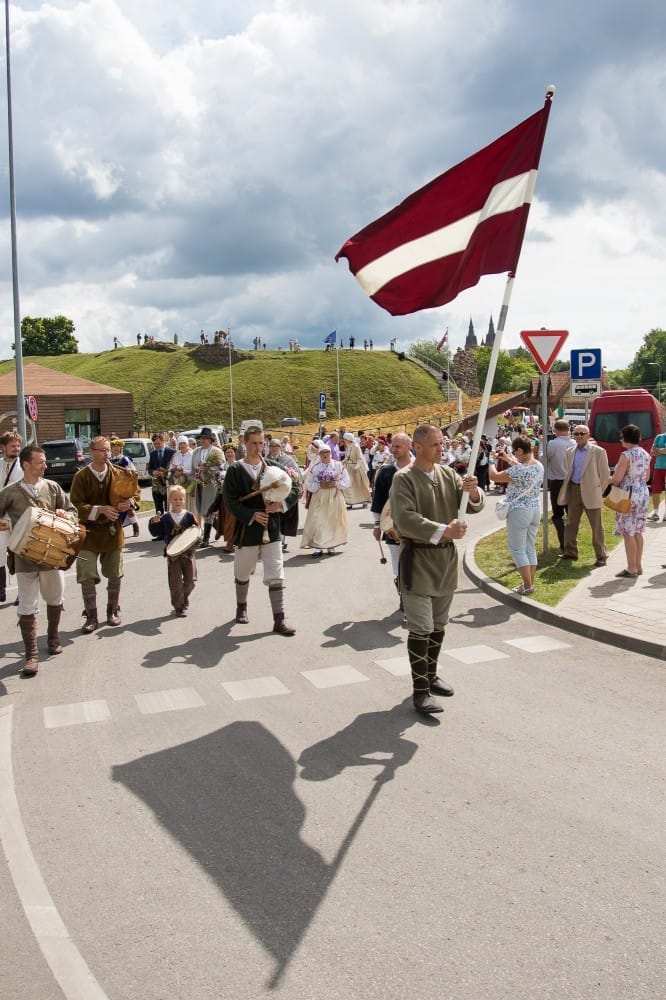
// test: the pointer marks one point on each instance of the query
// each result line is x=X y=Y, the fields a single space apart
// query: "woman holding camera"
x=524 y=480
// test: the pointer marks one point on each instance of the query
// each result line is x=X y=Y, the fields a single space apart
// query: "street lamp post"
x=657 y=365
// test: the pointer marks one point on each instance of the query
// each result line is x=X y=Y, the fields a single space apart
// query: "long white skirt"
x=326 y=526
x=359 y=490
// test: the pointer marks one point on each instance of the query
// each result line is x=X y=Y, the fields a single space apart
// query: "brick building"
x=68 y=406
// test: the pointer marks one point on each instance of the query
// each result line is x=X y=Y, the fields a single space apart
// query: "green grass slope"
x=175 y=388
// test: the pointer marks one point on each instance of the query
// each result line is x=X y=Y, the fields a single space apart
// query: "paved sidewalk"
x=626 y=613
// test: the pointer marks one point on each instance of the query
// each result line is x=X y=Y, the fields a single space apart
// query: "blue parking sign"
x=586 y=365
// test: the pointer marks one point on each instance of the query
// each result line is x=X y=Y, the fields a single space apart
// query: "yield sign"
x=544 y=346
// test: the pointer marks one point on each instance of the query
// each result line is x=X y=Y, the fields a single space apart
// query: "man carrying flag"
x=330 y=340
x=468 y=222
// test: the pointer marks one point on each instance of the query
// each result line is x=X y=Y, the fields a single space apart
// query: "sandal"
x=522 y=591
x=625 y=574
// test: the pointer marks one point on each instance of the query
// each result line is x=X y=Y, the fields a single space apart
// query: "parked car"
x=216 y=429
x=138 y=451
x=64 y=458
x=290 y=422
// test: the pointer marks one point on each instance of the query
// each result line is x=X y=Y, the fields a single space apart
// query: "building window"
x=82 y=423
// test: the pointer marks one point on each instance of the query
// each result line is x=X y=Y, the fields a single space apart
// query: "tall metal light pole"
x=657 y=365
x=18 y=350
x=231 y=383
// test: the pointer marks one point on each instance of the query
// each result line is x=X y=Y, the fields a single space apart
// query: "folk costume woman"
x=326 y=525
x=207 y=462
x=358 y=491
x=180 y=472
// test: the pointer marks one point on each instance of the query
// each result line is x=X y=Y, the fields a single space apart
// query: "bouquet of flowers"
x=326 y=477
x=208 y=474
x=296 y=476
x=178 y=477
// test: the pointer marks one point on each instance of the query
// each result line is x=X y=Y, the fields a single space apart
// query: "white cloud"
x=198 y=165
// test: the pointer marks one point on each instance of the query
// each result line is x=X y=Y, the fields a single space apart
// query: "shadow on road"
x=229 y=799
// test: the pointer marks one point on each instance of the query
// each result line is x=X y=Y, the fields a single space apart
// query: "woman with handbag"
x=524 y=480
x=632 y=473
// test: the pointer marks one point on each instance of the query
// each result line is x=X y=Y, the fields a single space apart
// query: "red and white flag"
x=467 y=222
x=444 y=341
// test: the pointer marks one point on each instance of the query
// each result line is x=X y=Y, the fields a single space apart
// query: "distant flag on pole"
x=331 y=338
x=467 y=222
x=444 y=341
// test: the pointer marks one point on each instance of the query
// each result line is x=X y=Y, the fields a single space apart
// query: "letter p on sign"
x=586 y=365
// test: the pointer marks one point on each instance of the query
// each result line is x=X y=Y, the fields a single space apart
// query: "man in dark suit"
x=158 y=463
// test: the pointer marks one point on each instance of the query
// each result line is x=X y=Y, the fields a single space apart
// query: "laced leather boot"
x=28 y=626
x=53 y=612
x=89 y=607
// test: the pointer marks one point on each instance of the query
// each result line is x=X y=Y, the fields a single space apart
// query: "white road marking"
x=73 y=715
x=255 y=687
x=65 y=961
x=327 y=677
x=476 y=654
x=174 y=700
x=537 y=643
x=398 y=666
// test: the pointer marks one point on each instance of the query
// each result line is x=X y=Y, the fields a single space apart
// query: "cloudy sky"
x=195 y=165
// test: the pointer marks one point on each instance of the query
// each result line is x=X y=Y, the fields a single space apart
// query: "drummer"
x=253 y=517
x=181 y=568
x=92 y=495
x=32 y=579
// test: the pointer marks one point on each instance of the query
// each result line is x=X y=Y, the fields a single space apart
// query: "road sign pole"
x=544 y=443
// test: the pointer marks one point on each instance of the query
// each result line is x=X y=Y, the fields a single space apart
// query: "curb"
x=551 y=617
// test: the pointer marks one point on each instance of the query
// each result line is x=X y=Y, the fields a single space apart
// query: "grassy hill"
x=173 y=387
x=177 y=388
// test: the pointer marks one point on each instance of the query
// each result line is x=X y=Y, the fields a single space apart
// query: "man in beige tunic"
x=34 y=578
x=425 y=499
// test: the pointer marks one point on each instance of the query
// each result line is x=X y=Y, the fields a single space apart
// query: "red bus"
x=617 y=407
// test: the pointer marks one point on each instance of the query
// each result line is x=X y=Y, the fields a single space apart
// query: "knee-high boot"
x=53 y=612
x=112 y=602
x=242 y=587
x=417 y=650
x=89 y=592
x=276 y=597
x=205 y=541
x=28 y=626
x=435 y=683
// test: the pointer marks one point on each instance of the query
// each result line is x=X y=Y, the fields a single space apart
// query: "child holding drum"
x=180 y=531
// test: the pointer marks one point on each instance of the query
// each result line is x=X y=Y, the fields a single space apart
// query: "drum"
x=386 y=524
x=40 y=536
x=184 y=542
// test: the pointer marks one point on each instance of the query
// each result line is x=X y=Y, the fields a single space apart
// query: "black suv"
x=65 y=458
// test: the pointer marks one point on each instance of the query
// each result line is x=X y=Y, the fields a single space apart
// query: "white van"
x=249 y=423
x=138 y=451
x=217 y=429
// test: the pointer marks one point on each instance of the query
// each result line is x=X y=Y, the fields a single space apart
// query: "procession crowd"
x=248 y=493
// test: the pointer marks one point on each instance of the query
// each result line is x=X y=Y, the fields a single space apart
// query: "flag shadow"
x=232 y=804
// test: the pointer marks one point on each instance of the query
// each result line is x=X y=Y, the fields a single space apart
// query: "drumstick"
x=383 y=560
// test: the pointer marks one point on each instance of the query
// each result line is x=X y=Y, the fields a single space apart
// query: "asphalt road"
x=198 y=809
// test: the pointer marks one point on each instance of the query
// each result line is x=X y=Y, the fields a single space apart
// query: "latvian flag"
x=467 y=222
